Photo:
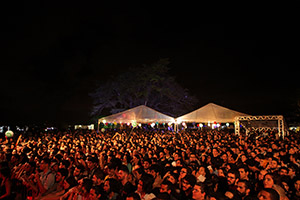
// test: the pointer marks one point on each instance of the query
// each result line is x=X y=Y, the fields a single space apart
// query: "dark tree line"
x=149 y=85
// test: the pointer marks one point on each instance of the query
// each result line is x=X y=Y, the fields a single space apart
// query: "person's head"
x=54 y=166
x=64 y=164
x=45 y=164
x=136 y=159
x=133 y=196
x=147 y=163
x=285 y=182
x=145 y=183
x=269 y=180
x=86 y=185
x=123 y=172
x=268 y=194
x=111 y=185
x=166 y=186
x=163 y=196
x=222 y=172
x=15 y=158
x=244 y=172
x=92 y=162
x=199 y=191
x=262 y=174
x=79 y=169
x=154 y=170
x=177 y=156
x=173 y=178
x=243 y=187
x=112 y=168
x=283 y=171
x=184 y=171
x=138 y=173
x=98 y=177
x=202 y=171
x=215 y=152
x=224 y=157
x=193 y=157
x=297 y=184
x=243 y=158
x=274 y=164
x=188 y=182
x=232 y=177
x=161 y=154
x=69 y=183
x=61 y=174
x=95 y=193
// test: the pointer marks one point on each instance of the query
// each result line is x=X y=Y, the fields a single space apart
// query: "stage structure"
x=261 y=123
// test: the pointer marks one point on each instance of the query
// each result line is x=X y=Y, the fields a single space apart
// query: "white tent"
x=211 y=113
x=139 y=114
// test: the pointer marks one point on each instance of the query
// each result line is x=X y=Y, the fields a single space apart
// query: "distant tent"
x=139 y=114
x=211 y=113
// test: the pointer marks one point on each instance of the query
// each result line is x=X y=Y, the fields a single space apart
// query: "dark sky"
x=52 y=55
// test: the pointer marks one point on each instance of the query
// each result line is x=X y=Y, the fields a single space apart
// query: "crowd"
x=158 y=164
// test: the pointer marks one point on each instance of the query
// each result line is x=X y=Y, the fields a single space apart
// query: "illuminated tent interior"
x=139 y=114
x=211 y=113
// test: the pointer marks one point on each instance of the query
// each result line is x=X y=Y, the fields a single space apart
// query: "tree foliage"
x=149 y=85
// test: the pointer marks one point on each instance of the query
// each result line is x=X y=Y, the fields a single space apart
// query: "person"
x=283 y=171
x=6 y=184
x=202 y=174
x=271 y=180
x=167 y=187
x=260 y=179
x=46 y=179
x=199 y=191
x=83 y=190
x=222 y=172
x=215 y=158
x=112 y=171
x=188 y=183
x=173 y=179
x=183 y=172
x=136 y=162
x=232 y=179
x=145 y=186
x=133 y=196
x=296 y=192
x=268 y=194
x=155 y=172
x=78 y=172
x=60 y=177
x=95 y=193
x=146 y=164
x=137 y=174
x=98 y=177
x=126 y=161
x=243 y=189
x=87 y=145
x=68 y=183
x=273 y=166
x=92 y=164
x=244 y=172
x=126 y=186
x=112 y=188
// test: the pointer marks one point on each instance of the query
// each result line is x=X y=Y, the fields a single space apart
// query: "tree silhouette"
x=149 y=85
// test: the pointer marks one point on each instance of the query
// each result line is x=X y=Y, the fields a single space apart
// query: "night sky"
x=53 y=55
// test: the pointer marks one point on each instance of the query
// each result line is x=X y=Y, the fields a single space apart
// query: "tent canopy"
x=211 y=113
x=139 y=114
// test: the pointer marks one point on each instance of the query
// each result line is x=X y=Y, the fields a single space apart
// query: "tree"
x=148 y=85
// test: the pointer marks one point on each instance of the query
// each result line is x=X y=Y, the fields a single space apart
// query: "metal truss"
x=278 y=118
